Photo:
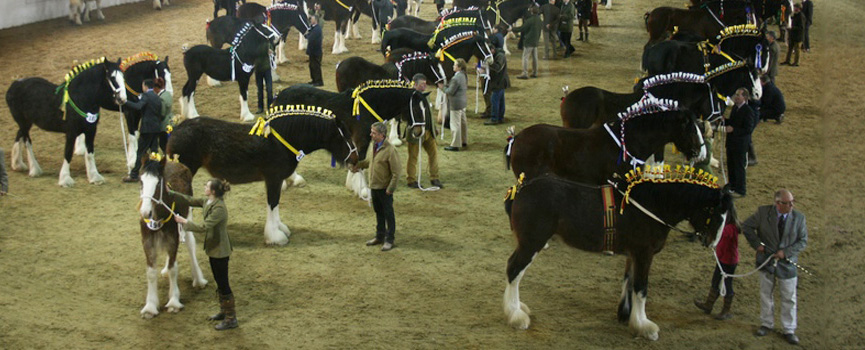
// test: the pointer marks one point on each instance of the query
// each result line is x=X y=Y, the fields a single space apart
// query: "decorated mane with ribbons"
x=374 y=84
x=449 y=42
x=671 y=78
x=130 y=61
x=238 y=37
x=455 y=10
x=287 y=6
x=262 y=126
x=683 y=175
x=643 y=107
x=738 y=31
x=411 y=57
x=74 y=72
x=724 y=68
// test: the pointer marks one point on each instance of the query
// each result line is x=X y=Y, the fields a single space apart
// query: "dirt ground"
x=74 y=273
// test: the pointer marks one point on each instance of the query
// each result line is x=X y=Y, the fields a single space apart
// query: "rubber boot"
x=706 y=306
x=587 y=36
x=230 y=320
x=221 y=314
x=725 y=312
x=581 y=36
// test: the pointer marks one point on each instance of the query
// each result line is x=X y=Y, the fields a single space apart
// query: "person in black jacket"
x=151 y=125
x=796 y=34
x=313 y=50
x=499 y=81
x=772 y=105
x=739 y=126
x=808 y=12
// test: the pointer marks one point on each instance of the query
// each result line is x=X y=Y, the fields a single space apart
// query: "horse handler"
x=384 y=169
x=217 y=244
x=428 y=142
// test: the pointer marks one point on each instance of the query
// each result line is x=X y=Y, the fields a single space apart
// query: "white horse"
x=413 y=10
x=79 y=7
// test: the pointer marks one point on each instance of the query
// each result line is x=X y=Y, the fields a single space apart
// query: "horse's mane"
x=414 y=56
x=75 y=71
x=456 y=38
x=738 y=31
x=670 y=78
x=137 y=58
x=283 y=6
x=153 y=164
x=680 y=175
x=724 y=68
x=238 y=37
x=648 y=106
x=380 y=84
x=262 y=126
x=455 y=10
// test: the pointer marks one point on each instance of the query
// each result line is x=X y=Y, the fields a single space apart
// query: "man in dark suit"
x=777 y=232
x=808 y=12
x=313 y=50
x=151 y=125
x=772 y=105
x=739 y=126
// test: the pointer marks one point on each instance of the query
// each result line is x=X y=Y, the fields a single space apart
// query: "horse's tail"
x=510 y=143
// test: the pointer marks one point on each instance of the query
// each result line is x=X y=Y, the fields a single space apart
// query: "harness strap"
x=635 y=162
x=360 y=101
x=261 y=128
x=348 y=8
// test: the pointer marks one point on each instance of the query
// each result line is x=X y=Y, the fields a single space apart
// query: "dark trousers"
x=565 y=37
x=737 y=159
x=728 y=282
x=315 y=69
x=264 y=80
x=793 y=50
x=807 y=43
x=219 y=267
x=487 y=104
x=498 y=101
x=148 y=142
x=385 y=226
x=163 y=141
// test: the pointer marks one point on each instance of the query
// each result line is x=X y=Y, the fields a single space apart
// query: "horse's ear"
x=166 y=60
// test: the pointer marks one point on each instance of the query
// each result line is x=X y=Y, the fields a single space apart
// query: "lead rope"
x=123 y=137
x=724 y=275
x=160 y=202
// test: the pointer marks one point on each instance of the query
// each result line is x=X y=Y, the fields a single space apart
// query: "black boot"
x=581 y=36
x=725 y=312
x=230 y=320
x=587 y=36
x=221 y=314
x=706 y=306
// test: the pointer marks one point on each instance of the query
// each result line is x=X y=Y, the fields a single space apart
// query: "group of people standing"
x=154 y=102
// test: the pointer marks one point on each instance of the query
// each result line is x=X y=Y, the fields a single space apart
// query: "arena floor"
x=74 y=273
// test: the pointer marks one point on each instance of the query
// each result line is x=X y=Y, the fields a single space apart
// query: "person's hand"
x=728 y=129
x=440 y=85
x=179 y=219
x=354 y=168
x=761 y=249
x=388 y=192
x=729 y=101
x=2 y=193
x=779 y=254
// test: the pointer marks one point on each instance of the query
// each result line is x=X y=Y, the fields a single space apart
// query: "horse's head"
x=709 y=221
x=732 y=75
x=350 y=155
x=152 y=185
x=114 y=80
x=418 y=112
x=689 y=135
x=164 y=72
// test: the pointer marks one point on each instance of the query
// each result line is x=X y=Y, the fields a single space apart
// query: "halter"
x=238 y=40
x=357 y=95
x=156 y=224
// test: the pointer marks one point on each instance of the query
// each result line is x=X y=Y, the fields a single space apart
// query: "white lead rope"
x=123 y=137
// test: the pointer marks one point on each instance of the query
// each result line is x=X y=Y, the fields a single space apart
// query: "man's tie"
x=781 y=221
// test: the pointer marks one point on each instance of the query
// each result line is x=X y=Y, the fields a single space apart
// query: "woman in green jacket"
x=167 y=115
x=217 y=245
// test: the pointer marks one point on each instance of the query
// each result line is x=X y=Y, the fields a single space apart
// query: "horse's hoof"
x=66 y=183
x=174 y=307
x=519 y=319
x=97 y=180
x=200 y=284
x=149 y=312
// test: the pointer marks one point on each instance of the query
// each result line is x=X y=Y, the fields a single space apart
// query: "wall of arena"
x=20 y=12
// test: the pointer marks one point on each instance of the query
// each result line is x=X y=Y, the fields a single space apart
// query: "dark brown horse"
x=548 y=205
x=704 y=20
x=593 y=155
x=270 y=152
x=160 y=232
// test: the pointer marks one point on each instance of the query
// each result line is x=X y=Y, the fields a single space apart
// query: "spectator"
x=772 y=105
x=550 y=13
x=566 y=26
x=727 y=251
x=313 y=49
x=584 y=13
x=428 y=142
x=808 y=12
x=384 y=169
x=499 y=81
x=151 y=125
x=457 y=101
x=739 y=126
x=774 y=53
x=530 y=32
x=4 y=177
x=264 y=82
x=777 y=232
x=796 y=35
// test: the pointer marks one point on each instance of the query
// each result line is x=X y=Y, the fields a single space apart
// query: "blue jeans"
x=498 y=105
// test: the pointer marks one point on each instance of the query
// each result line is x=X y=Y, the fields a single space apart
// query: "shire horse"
x=372 y=101
x=159 y=231
x=593 y=155
x=283 y=16
x=271 y=151
x=340 y=12
x=248 y=51
x=507 y=12
x=71 y=108
x=548 y=205
x=399 y=38
x=419 y=25
x=79 y=9
x=230 y=7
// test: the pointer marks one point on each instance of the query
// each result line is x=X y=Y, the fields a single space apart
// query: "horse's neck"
x=671 y=202
x=86 y=90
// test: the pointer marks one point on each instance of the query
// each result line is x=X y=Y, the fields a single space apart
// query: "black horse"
x=463 y=45
x=270 y=152
x=687 y=51
x=249 y=50
x=283 y=17
x=548 y=205
x=400 y=38
x=230 y=7
x=340 y=12
x=419 y=25
x=593 y=155
x=401 y=64
x=71 y=108
x=408 y=63
x=704 y=20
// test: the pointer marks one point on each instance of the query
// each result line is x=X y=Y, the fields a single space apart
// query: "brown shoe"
x=374 y=241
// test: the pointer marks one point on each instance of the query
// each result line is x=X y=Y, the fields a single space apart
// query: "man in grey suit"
x=778 y=232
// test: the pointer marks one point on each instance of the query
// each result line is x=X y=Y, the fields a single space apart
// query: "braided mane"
x=649 y=106
x=414 y=56
x=675 y=77
x=80 y=68
x=137 y=58
x=455 y=10
x=738 y=30
x=381 y=84
x=282 y=6
x=665 y=175
x=724 y=68
x=262 y=125
x=240 y=34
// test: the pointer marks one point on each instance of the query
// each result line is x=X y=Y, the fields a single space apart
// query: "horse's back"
x=548 y=205
x=353 y=71
x=590 y=105
x=34 y=101
x=411 y=22
x=224 y=148
x=252 y=11
x=304 y=94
